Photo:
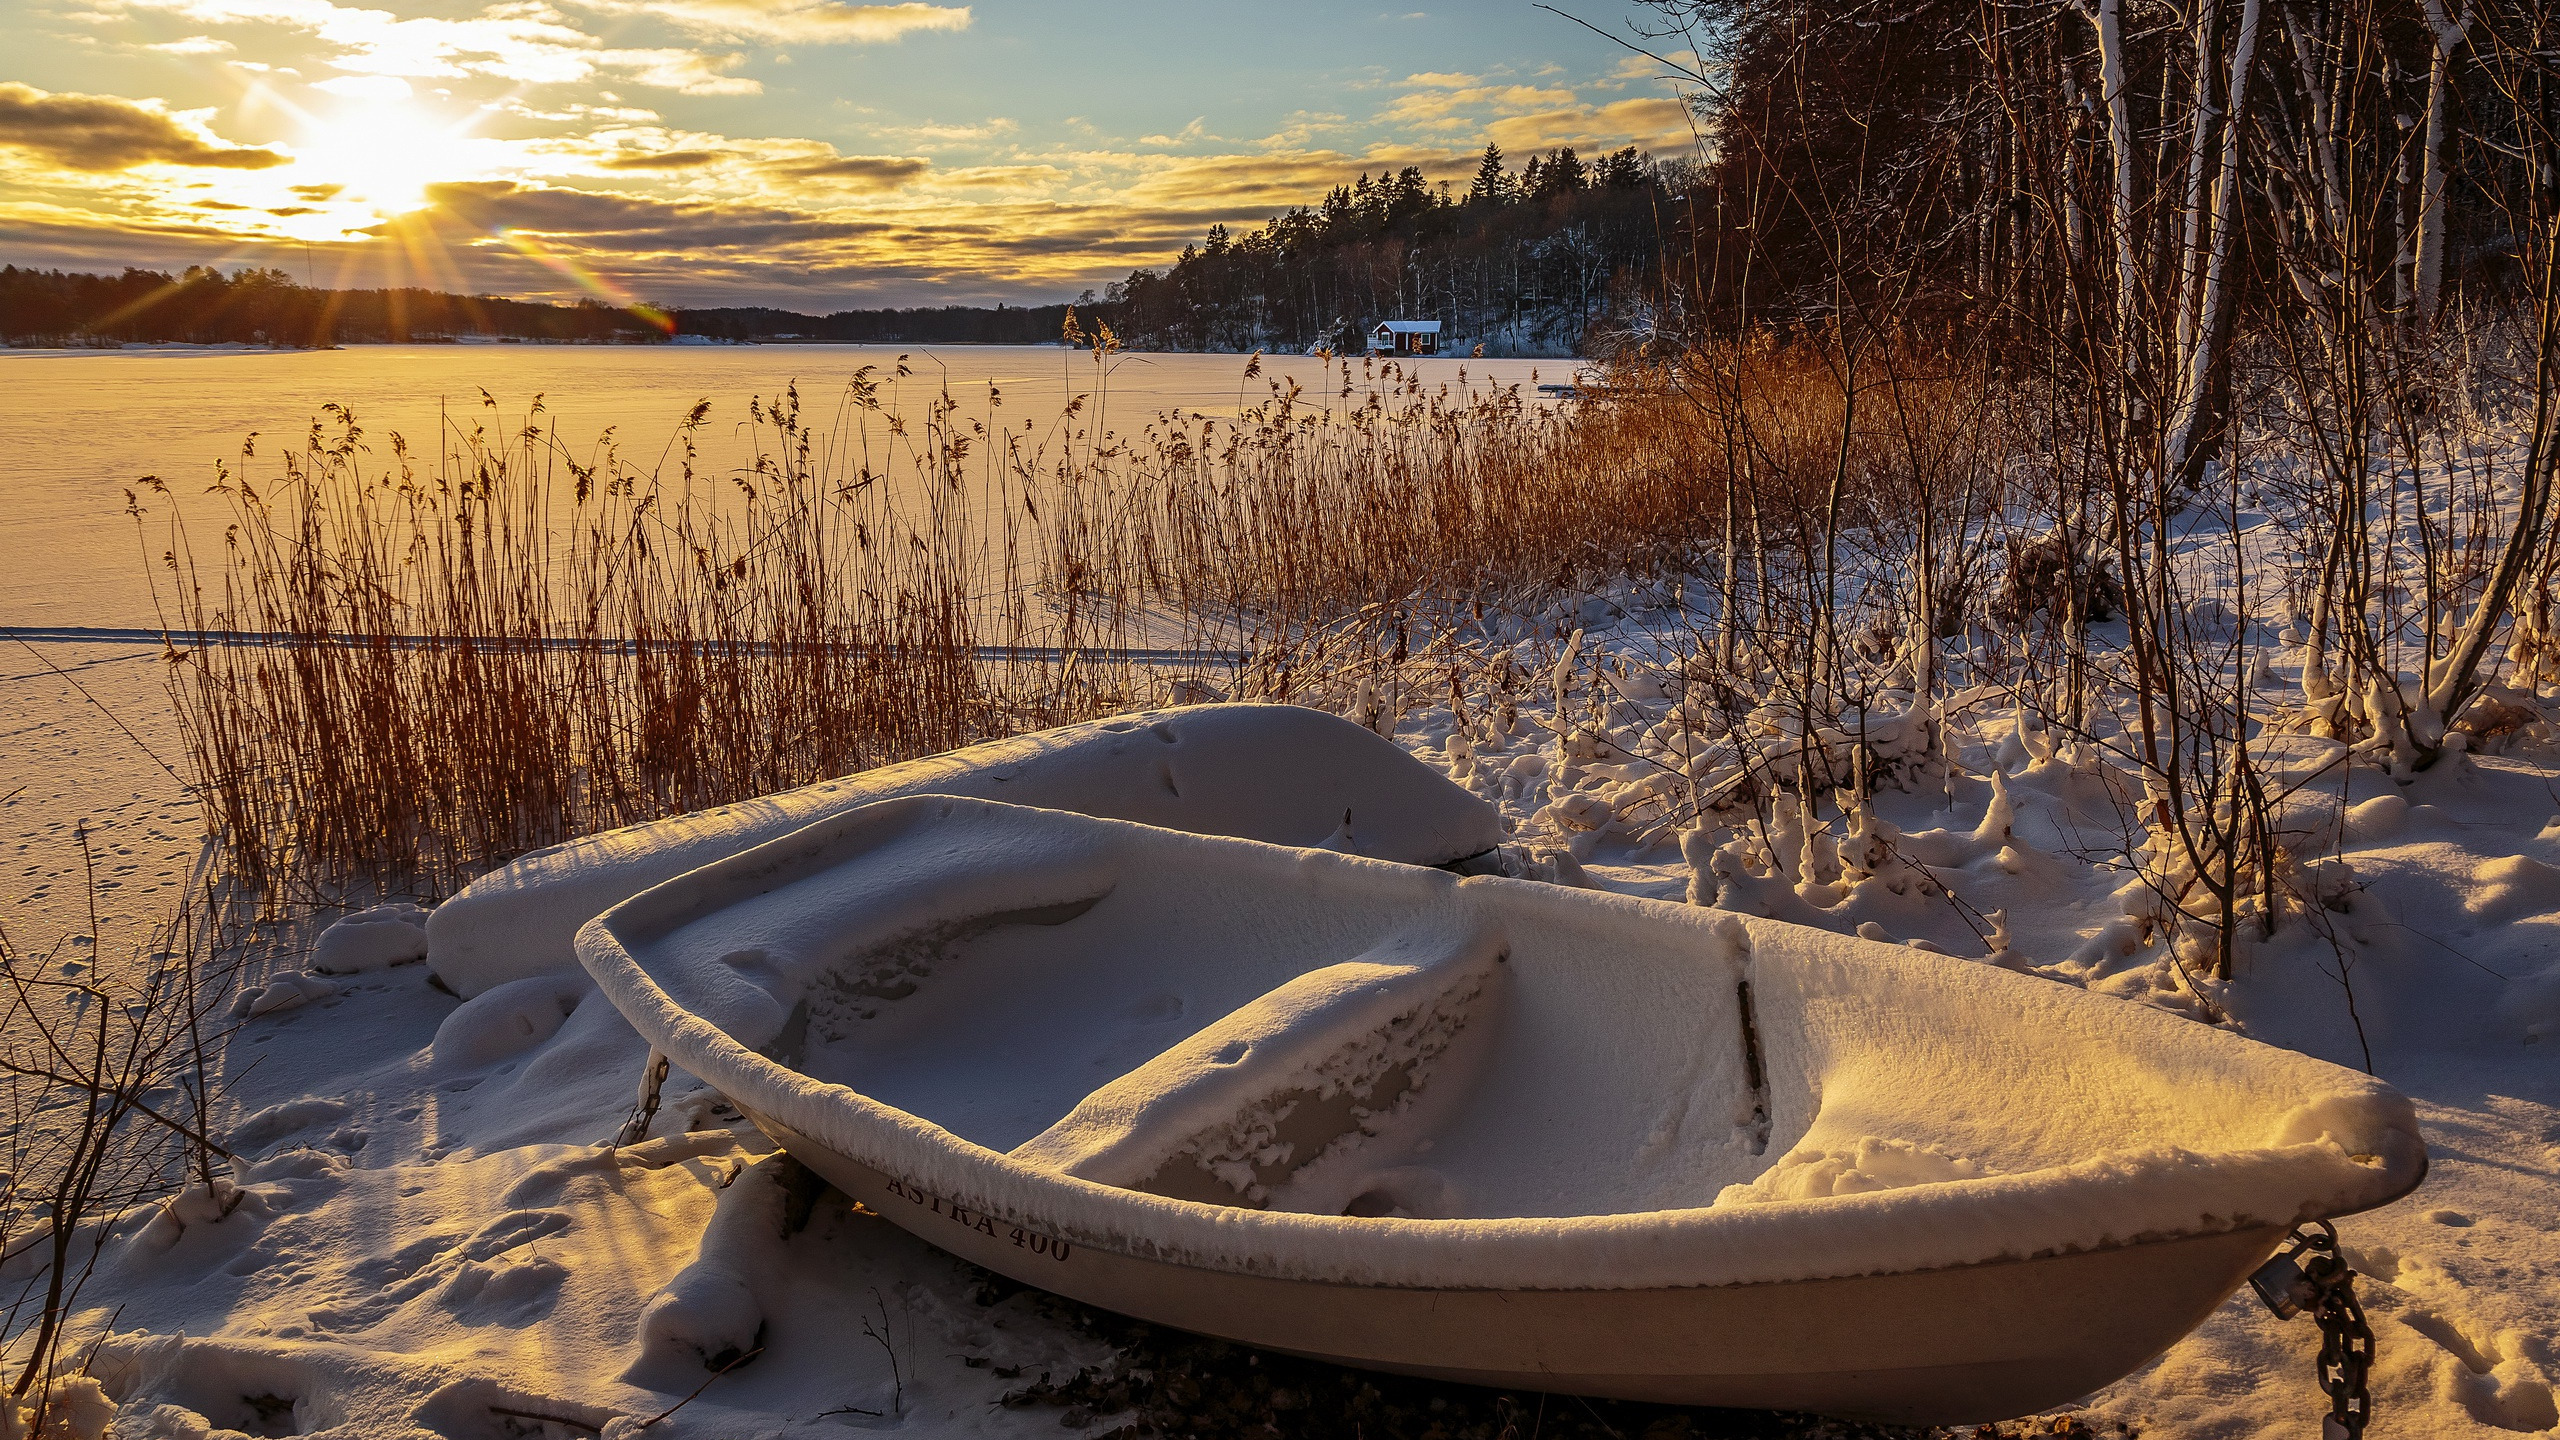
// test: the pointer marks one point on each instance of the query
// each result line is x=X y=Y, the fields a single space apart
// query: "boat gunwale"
x=2275 y=1231
x=1693 y=1247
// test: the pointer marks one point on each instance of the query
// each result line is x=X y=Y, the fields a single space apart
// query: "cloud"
x=664 y=160
x=495 y=205
x=1184 y=193
x=1195 y=131
x=99 y=133
x=520 y=40
x=1002 y=177
x=931 y=133
x=1683 y=67
x=193 y=45
x=1302 y=128
x=365 y=87
x=609 y=114
x=810 y=22
x=859 y=172
x=1444 y=108
x=1648 y=124
x=682 y=71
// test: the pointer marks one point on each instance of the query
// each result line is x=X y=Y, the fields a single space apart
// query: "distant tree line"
x=940 y=325
x=1530 y=260
x=202 y=306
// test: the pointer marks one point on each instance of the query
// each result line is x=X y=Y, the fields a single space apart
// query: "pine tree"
x=1338 y=213
x=1563 y=175
x=1492 y=185
x=1408 y=198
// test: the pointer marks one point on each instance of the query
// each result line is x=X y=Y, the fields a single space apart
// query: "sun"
x=383 y=154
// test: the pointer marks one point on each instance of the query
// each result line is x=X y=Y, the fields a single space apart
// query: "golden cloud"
x=1647 y=124
x=1000 y=177
x=859 y=172
x=1442 y=108
x=98 y=133
x=531 y=44
x=664 y=160
x=812 y=22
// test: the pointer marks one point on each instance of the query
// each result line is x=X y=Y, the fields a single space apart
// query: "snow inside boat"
x=1486 y=1129
x=1281 y=773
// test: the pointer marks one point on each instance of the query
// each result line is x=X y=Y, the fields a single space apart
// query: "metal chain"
x=2310 y=1274
x=2346 y=1353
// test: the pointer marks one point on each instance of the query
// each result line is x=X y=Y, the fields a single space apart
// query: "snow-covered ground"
x=433 y=1237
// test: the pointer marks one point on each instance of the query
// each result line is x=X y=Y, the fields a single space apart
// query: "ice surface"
x=1266 y=772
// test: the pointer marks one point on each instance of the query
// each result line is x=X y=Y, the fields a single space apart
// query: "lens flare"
x=532 y=247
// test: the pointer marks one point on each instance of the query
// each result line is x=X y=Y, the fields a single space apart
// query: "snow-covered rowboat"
x=1486 y=1129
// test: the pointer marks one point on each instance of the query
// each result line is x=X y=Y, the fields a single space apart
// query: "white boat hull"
x=1488 y=1130
x=1960 y=1345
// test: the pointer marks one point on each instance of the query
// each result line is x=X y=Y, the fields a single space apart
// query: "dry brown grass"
x=400 y=672
x=397 y=671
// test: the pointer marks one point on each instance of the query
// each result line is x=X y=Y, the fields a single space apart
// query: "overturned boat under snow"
x=1485 y=1129
x=1281 y=773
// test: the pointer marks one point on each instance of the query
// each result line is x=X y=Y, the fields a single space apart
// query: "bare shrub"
x=106 y=1083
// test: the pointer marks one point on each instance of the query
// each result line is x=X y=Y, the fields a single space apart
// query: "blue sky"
x=807 y=153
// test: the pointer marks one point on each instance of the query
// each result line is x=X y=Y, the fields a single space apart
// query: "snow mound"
x=2514 y=886
x=2377 y=819
x=1221 y=1098
x=1278 y=773
x=374 y=939
x=177 y=1388
x=1871 y=1164
x=508 y=1020
x=284 y=992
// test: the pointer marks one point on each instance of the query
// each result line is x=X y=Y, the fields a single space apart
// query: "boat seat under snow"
x=1486 y=1129
x=1280 y=773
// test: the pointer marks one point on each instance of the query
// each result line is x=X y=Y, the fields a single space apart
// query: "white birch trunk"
x=2194 y=383
x=2324 y=156
x=2075 y=226
x=2114 y=93
x=2450 y=32
x=2199 y=139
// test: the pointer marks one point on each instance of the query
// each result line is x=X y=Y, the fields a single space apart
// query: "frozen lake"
x=80 y=426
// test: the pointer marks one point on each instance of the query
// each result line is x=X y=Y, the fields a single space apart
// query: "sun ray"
x=534 y=248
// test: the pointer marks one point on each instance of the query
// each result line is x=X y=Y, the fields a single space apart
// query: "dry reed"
x=396 y=672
